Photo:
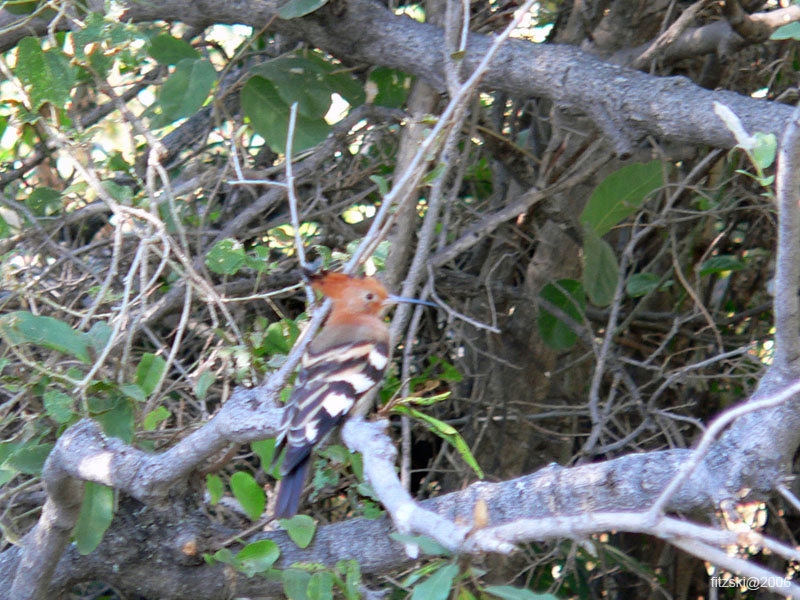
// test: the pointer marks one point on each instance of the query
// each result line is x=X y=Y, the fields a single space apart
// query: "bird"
x=344 y=362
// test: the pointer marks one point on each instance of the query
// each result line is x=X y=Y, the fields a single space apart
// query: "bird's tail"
x=290 y=488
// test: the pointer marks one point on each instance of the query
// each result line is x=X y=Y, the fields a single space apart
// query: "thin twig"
x=290 y=189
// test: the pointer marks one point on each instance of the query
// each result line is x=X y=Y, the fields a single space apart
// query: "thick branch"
x=669 y=108
x=787 y=271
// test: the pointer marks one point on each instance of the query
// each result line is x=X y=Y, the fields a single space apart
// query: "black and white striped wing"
x=329 y=384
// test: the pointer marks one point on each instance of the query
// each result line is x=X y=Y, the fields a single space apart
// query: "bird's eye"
x=370 y=296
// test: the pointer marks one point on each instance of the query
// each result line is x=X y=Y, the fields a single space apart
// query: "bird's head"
x=357 y=295
x=354 y=295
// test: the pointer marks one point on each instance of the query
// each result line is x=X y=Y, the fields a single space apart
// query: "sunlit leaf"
x=764 y=150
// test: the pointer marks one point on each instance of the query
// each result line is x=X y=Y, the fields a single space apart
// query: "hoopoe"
x=344 y=362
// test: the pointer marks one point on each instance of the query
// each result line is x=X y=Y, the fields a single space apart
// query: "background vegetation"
x=600 y=240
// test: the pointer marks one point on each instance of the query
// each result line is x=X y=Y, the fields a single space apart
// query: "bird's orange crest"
x=338 y=286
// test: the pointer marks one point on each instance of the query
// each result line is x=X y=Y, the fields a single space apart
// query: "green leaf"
x=466 y=454
x=765 y=148
x=215 y=487
x=5 y=229
x=300 y=528
x=438 y=585
x=149 y=372
x=223 y=555
x=300 y=80
x=299 y=8
x=133 y=391
x=23 y=7
x=115 y=414
x=388 y=87
x=29 y=459
x=226 y=257
x=336 y=453
x=320 y=586
x=155 y=417
x=96 y=513
x=429 y=401
x=170 y=50
x=720 y=264
x=275 y=341
x=438 y=427
x=641 y=284
x=99 y=335
x=620 y=194
x=269 y=116
x=58 y=406
x=257 y=557
x=248 y=493
x=295 y=583
x=381 y=182
x=566 y=294
x=49 y=74
x=21 y=326
x=434 y=173
x=790 y=31
x=352 y=574
x=186 y=90
x=508 y=592
x=448 y=371
x=265 y=449
x=427 y=545
x=600 y=269
x=446 y=432
x=337 y=79
x=203 y=383
x=44 y=201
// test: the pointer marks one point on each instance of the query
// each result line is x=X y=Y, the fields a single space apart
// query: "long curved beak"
x=398 y=299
